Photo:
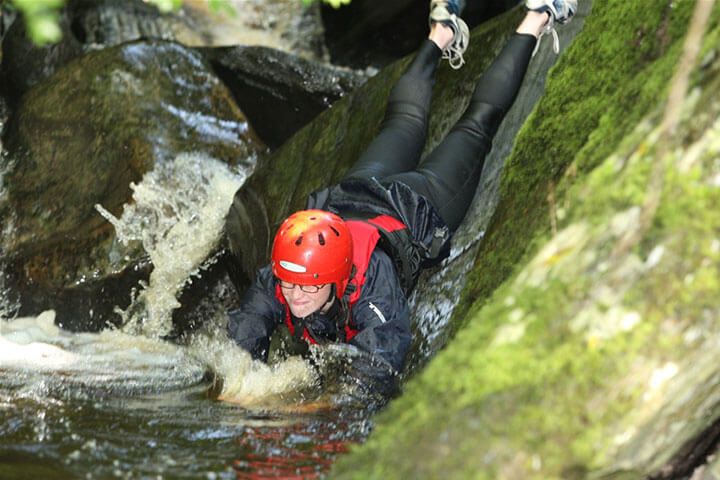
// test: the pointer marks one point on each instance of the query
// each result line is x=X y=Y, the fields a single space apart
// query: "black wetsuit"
x=431 y=199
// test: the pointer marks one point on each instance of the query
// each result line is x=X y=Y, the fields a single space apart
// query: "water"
x=178 y=215
x=178 y=434
x=124 y=403
x=111 y=404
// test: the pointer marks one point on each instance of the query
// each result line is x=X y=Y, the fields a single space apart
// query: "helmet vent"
x=299 y=240
x=337 y=234
x=321 y=239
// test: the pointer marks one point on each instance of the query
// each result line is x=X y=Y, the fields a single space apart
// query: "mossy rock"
x=575 y=357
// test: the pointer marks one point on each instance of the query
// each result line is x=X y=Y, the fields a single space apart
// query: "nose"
x=293 y=293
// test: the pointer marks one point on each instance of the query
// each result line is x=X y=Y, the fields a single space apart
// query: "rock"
x=610 y=368
x=86 y=25
x=376 y=32
x=286 y=25
x=106 y=23
x=78 y=139
x=279 y=92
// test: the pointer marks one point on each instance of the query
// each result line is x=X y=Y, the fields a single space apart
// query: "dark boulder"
x=80 y=138
x=279 y=92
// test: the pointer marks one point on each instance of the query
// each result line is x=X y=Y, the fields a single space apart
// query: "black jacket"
x=381 y=313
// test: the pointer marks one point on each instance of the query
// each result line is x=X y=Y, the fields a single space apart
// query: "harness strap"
x=395 y=240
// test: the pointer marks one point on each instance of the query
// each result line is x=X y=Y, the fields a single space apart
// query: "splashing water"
x=248 y=382
x=44 y=360
x=8 y=305
x=178 y=216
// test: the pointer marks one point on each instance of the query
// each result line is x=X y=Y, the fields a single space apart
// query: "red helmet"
x=313 y=247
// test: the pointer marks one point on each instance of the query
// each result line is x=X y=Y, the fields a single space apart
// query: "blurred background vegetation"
x=41 y=16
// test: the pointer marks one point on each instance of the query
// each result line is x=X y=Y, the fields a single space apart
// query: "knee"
x=411 y=92
x=481 y=119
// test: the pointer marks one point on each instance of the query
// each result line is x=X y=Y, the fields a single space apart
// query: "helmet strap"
x=342 y=316
x=326 y=307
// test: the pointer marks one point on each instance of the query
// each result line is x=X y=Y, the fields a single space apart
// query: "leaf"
x=43 y=29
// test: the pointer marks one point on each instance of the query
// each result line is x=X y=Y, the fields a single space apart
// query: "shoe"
x=446 y=12
x=559 y=11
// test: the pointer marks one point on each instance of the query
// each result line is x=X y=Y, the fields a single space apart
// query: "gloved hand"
x=283 y=345
x=369 y=376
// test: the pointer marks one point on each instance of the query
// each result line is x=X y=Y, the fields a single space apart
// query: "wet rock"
x=79 y=138
x=574 y=358
x=4 y=114
x=7 y=17
x=286 y=25
x=377 y=32
x=280 y=92
x=111 y=22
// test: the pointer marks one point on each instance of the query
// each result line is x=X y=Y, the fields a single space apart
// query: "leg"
x=398 y=146
x=449 y=176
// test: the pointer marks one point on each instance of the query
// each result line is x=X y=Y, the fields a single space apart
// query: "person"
x=342 y=269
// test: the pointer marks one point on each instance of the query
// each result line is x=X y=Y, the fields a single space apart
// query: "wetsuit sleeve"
x=382 y=314
x=252 y=324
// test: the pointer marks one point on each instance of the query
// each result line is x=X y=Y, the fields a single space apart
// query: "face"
x=301 y=303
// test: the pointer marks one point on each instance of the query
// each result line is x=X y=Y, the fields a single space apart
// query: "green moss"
x=560 y=339
x=605 y=83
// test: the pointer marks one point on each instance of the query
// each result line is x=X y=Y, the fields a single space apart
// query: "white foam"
x=178 y=215
x=249 y=382
x=109 y=359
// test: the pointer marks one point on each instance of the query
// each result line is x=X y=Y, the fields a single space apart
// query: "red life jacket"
x=365 y=236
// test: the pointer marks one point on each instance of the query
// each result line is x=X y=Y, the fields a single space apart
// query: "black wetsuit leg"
x=449 y=176
x=399 y=144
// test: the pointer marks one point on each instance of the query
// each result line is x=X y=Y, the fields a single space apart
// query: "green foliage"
x=167 y=5
x=222 y=6
x=41 y=18
x=636 y=55
x=332 y=3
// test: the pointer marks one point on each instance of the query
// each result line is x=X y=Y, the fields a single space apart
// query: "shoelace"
x=549 y=28
x=453 y=53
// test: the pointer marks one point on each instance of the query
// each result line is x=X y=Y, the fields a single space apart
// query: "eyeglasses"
x=303 y=288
